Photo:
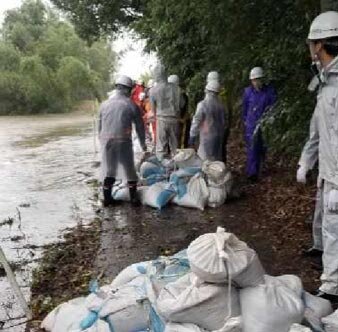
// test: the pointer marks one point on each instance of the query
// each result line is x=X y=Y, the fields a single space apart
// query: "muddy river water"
x=46 y=163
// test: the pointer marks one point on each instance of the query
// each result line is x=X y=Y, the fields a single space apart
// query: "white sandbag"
x=130 y=273
x=187 y=158
x=158 y=195
x=216 y=257
x=177 y=327
x=299 y=328
x=220 y=190
x=214 y=170
x=331 y=322
x=121 y=192
x=272 y=306
x=217 y=196
x=197 y=194
x=122 y=308
x=316 y=308
x=67 y=317
x=189 y=300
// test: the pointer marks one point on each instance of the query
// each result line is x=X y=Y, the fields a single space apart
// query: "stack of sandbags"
x=220 y=182
x=218 y=284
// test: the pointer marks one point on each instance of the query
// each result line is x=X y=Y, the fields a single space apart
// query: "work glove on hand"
x=333 y=200
x=301 y=174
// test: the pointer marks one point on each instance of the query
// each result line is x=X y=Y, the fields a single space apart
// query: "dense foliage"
x=193 y=37
x=45 y=66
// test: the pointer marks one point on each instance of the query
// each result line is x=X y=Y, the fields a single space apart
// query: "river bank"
x=46 y=165
x=270 y=217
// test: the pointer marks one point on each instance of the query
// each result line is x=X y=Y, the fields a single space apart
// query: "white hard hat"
x=124 y=80
x=324 y=26
x=213 y=86
x=213 y=76
x=174 y=79
x=256 y=72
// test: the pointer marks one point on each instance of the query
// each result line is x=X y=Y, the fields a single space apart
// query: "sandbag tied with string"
x=221 y=257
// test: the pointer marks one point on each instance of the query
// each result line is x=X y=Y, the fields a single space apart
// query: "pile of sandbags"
x=195 y=184
x=218 y=284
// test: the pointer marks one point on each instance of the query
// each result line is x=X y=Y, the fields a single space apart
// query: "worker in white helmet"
x=209 y=124
x=257 y=100
x=323 y=45
x=117 y=116
x=165 y=105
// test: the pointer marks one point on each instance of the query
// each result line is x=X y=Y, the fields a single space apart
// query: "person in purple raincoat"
x=257 y=100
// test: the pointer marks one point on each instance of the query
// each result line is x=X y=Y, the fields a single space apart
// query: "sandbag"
x=121 y=192
x=197 y=194
x=331 y=322
x=316 y=308
x=272 y=306
x=67 y=317
x=181 y=178
x=189 y=300
x=234 y=324
x=148 y=168
x=299 y=328
x=220 y=188
x=187 y=158
x=217 y=196
x=123 y=308
x=165 y=270
x=214 y=170
x=216 y=257
x=158 y=195
x=129 y=273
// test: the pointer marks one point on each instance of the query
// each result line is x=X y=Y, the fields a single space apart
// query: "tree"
x=48 y=67
x=93 y=18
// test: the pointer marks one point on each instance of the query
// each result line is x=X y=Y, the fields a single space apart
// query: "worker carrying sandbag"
x=117 y=116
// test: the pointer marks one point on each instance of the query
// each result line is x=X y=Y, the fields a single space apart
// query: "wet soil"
x=270 y=216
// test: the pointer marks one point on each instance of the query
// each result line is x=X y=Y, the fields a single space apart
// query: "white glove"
x=333 y=200
x=301 y=174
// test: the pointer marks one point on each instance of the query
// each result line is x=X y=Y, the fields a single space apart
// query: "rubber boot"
x=108 y=184
x=134 y=199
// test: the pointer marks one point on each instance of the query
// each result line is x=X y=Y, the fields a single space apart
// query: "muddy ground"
x=270 y=217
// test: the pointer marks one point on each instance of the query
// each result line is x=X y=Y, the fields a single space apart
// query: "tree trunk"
x=329 y=5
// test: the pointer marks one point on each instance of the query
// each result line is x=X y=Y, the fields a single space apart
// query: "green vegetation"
x=45 y=66
x=193 y=37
